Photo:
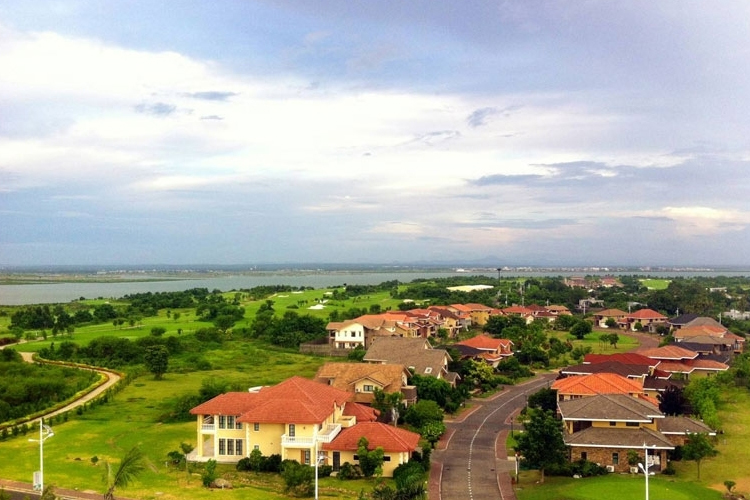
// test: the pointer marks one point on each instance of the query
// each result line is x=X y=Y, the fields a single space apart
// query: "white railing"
x=324 y=436
x=208 y=427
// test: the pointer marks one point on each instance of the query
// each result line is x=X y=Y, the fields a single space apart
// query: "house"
x=294 y=419
x=685 y=362
x=603 y=428
x=486 y=348
x=479 y=313
x=682 y=320
x=702 y=327
x=581 y=386
x=363 y=378
x=398 y=445
x=647 y=318
x=559 y=310
x=359 y=332
x=601 y=317
x=639 y=372
x=415 y=354
x=453 y=322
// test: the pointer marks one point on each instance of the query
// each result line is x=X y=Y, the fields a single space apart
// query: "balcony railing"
x=326 y=435
x=208 y=424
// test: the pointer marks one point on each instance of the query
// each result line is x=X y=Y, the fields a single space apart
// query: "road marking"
x=526 y=391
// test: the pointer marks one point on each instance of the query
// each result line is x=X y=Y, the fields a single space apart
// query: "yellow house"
x=293 y=419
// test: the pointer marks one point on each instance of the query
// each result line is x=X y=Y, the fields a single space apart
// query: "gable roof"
x=683 y=425
x=683 y=319
x=378 y=434
x=700 y=330
x=617 y=367
x=646 y=314
x=668 y=352
x=409 y=352
x=597 y=383
x=611 y=313
x=628 y=358
x=344 y=375
x=361 y=412
x=609 y=407
x=485 y=342
x=603 y=437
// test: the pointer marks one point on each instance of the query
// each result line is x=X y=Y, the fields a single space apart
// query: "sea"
x=64 y=292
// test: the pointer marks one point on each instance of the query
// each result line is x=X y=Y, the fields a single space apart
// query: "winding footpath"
x=19 y=490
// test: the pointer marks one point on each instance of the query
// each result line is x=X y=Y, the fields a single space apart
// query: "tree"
x=298 y=478
x=696 y=448
x=580 y=329
x=542 y=445
x=432 y=431
x=157 y=360
x=672 y=401
x=423 y=411
x=613 y=339
x=389 y=404
x=158 y=331
x=131 y=466
x=370 y=461
x=543 y=399
x=611 y=323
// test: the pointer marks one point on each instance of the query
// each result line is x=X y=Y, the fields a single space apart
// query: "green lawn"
x=611 y=486
x=655 y=284
x=597 y=346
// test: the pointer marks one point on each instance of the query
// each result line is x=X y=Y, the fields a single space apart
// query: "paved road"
x=470 y=468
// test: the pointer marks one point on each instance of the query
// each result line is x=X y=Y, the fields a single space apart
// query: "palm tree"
x=130 y=467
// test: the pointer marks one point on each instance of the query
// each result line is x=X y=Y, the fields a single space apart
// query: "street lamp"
x=644 y=467
x=45 y=432
x=319 y=457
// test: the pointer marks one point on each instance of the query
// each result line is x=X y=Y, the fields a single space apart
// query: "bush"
x=349 y=471
x=325 y=470
x=298 y=478
x=669 y=470
x=583 y=468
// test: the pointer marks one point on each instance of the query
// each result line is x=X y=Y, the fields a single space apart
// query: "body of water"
x=50 y=293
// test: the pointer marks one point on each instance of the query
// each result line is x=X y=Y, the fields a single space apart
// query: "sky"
x=242 y=132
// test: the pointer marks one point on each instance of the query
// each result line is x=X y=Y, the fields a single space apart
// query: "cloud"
x=212 y=95
x=212 y=117
x=156 y=108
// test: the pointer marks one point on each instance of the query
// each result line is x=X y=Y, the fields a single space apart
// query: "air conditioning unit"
x=610 y=468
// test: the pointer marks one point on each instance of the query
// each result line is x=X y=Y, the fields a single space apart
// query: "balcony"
x=326 y=435
x=208 y=424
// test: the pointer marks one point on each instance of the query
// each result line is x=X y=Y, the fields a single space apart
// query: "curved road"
x=469 y=467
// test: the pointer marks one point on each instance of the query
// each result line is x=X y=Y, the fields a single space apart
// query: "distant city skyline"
x=232 y=132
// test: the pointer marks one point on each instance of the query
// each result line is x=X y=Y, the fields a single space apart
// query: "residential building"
x=486 y=348
x=415 y=354
x=294 y=419
x=364 y=378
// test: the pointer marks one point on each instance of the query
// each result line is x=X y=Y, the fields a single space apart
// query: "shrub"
x=349 y=471
x=669 y=470
x=209 y=473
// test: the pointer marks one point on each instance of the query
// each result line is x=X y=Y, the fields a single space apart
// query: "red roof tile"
x=670 y=352
x=378 y=434
x=646 y=314
x=230 y=403
x=361 y=412
x=628 y=358
x=598 y=383
x=484 y=341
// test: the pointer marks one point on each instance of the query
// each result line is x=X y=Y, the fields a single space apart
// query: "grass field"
x=655 y=284
x=109 y=430
x=611 y=486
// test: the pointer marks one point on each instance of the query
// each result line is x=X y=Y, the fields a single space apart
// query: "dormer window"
x=428 y=369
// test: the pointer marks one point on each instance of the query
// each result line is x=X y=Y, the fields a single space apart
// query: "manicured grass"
x=597 y=346
x=614 y=486
x=655 y=284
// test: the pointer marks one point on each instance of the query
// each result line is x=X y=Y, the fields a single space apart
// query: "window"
x=584 y=455
x=386 y=458
x=230 y=446
x=307 y=457
x=368 y=388
x=222 y=446
x=256 y=426
x=631 y=424
x=222 y=422
x=291 y=430
x=615 y=458
x=238 y=446
x=237 y=425
x=612 y=424
x=354 y=334
x=230 y=423
x=428 y=369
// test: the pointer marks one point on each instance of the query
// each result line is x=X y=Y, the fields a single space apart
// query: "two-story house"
x=294 y=419
x=364 y=378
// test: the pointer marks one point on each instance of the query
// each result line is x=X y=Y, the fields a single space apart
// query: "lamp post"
x=318 y=458
x=644 y=466
x=45 y=432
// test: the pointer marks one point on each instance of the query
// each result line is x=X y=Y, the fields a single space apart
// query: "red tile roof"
x=646 y=314
x=484 y=341
x=378 y=434
x=230 y=403
x=671 y=352
x=517 y=310
x=361 y=412
x=598 y=383
x=628 y=358
x=296 y=400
